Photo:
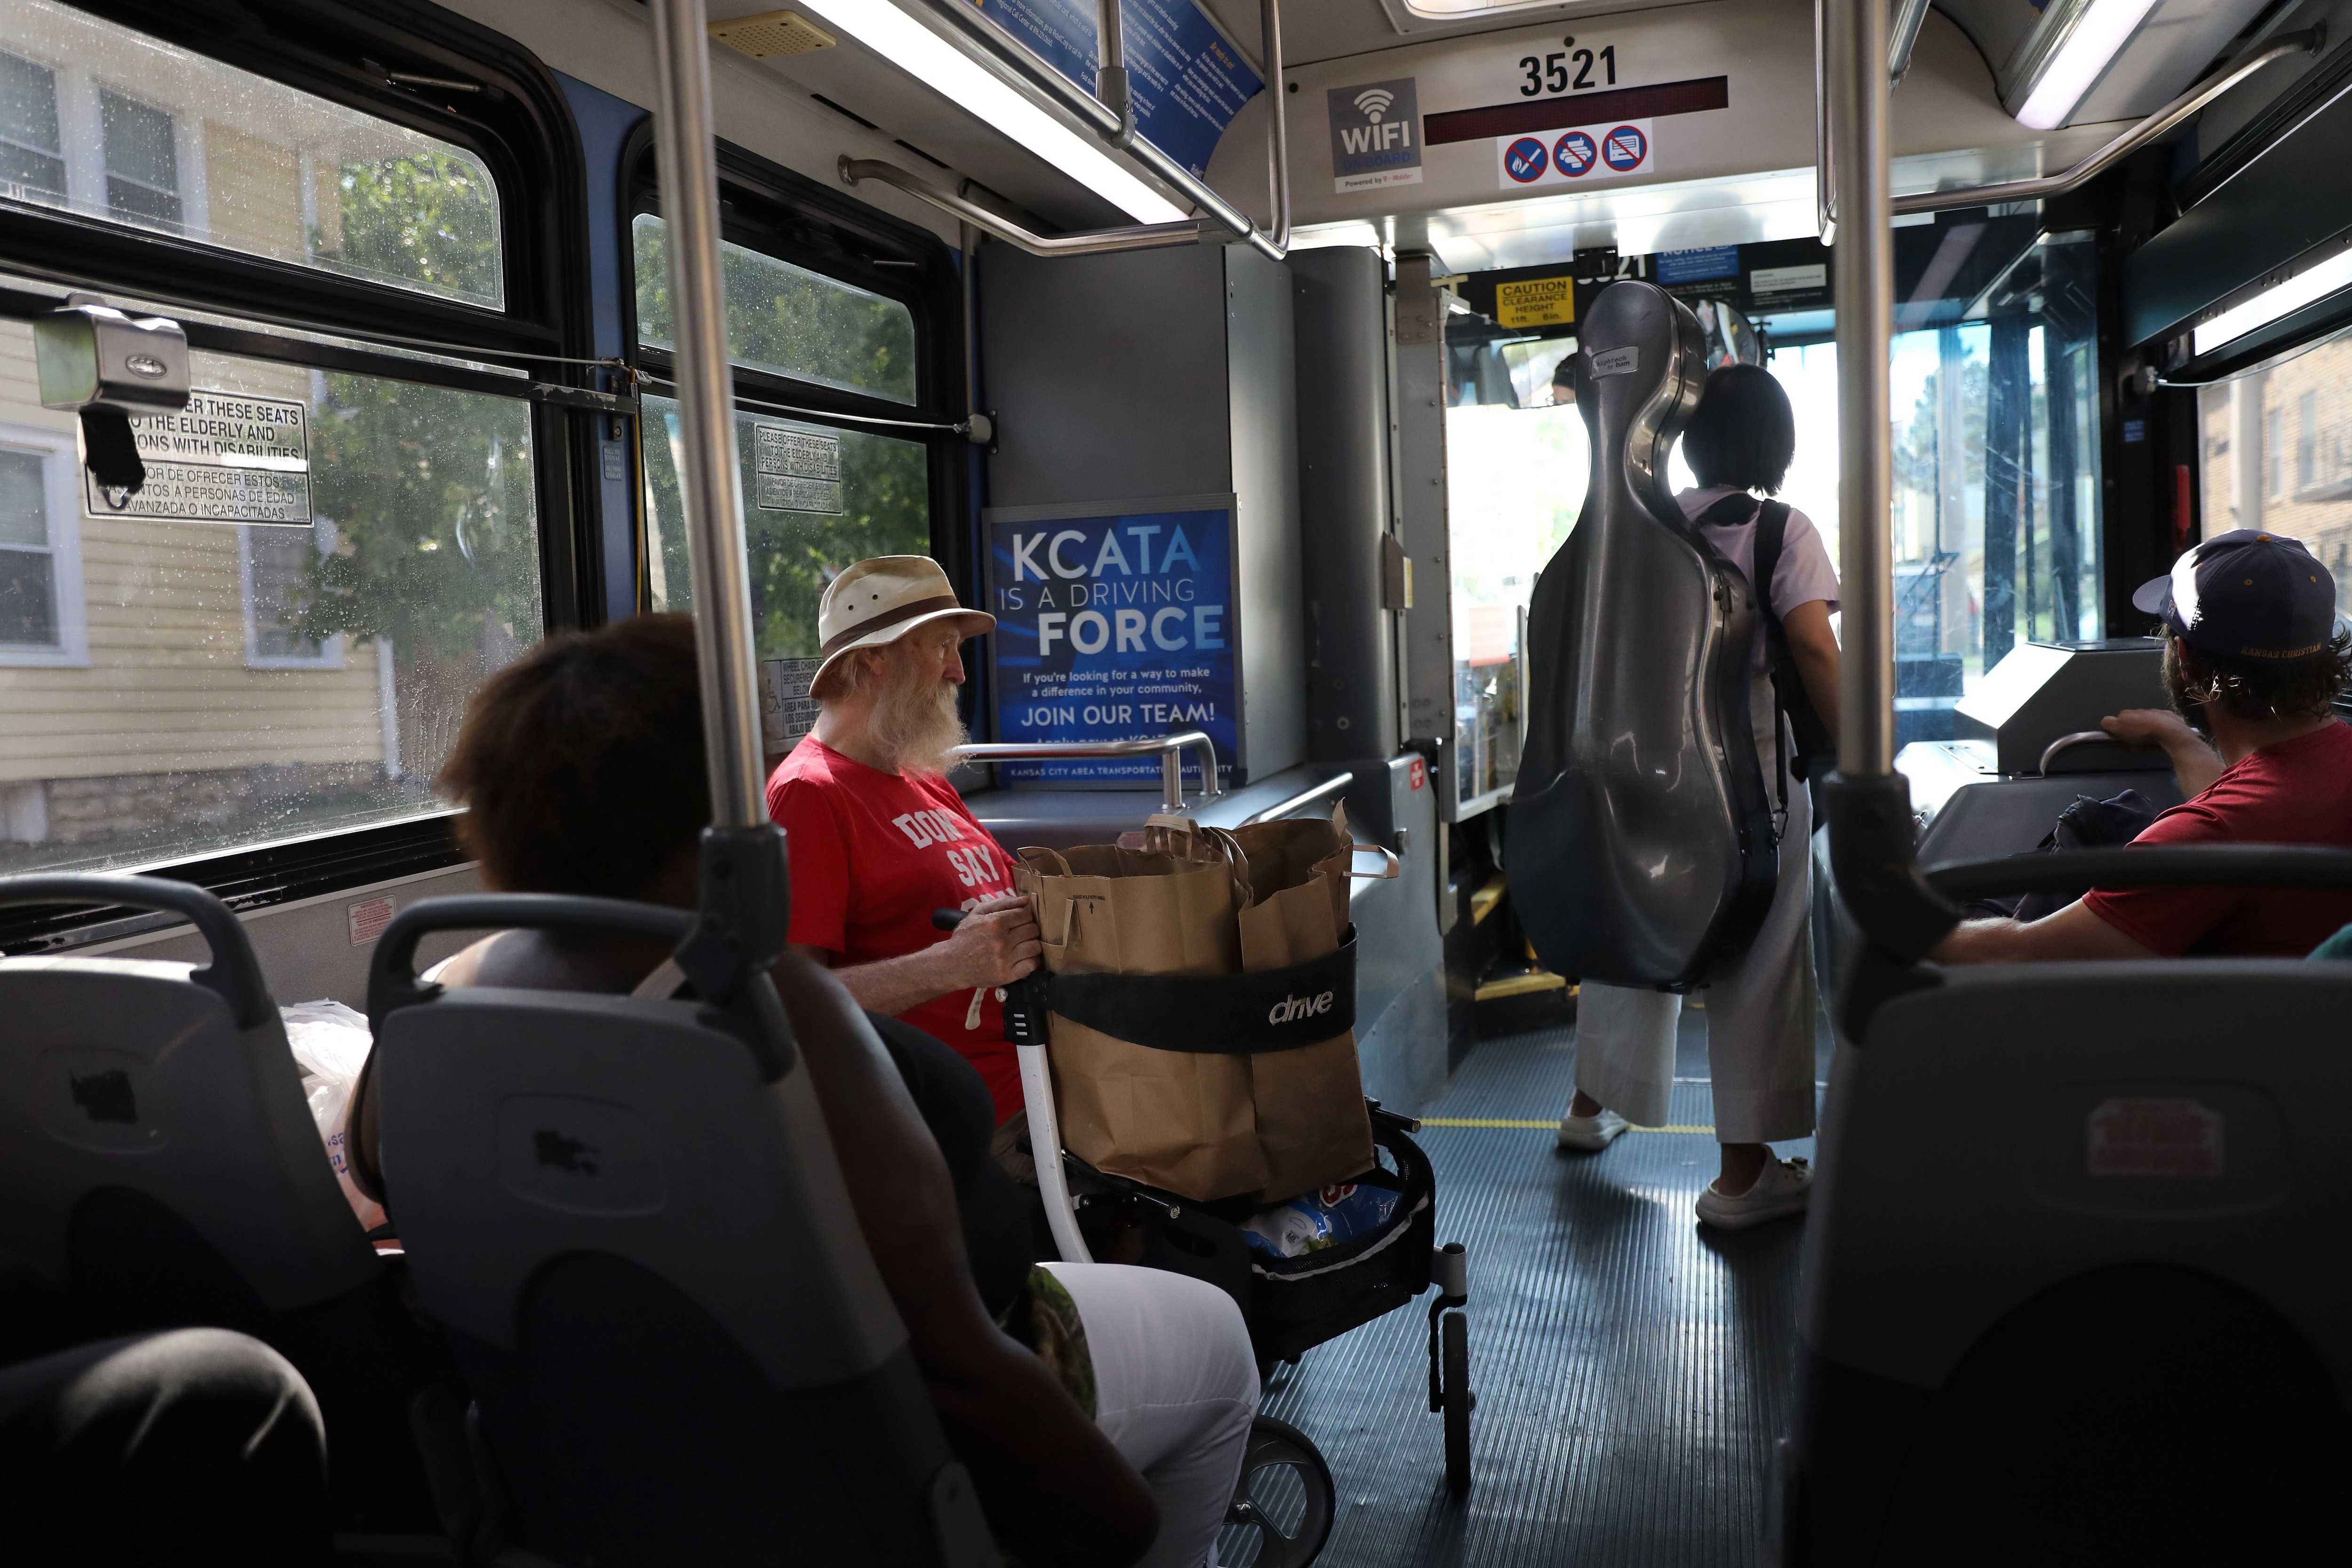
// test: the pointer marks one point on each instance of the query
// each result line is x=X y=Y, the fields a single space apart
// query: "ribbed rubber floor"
x=1632 y=1367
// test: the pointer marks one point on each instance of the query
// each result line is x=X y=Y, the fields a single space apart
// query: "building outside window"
x=2306 y=441
x=40 y=576
x=2318 y=510
x=281 y=581
x=142 y=160
x=32 y=153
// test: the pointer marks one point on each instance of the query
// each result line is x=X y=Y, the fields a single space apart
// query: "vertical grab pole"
x=1867 y=803
x=709 y=478
x=1863 y=294
x=746 y=903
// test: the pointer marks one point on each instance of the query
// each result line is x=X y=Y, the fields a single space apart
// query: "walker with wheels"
x=1291 y=1304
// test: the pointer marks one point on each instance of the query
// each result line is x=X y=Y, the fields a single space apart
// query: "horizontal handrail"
x=1168 y=749
x=2155 y=866
x=1092 y=242
x=1307 y=796
x=2162 y=122
x=1116 y=128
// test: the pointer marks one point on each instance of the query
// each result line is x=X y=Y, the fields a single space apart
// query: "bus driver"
x=879 y=838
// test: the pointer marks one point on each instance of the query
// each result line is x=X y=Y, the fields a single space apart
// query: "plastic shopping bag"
x=331 y=1044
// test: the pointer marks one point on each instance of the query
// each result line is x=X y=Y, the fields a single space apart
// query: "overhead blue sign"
x=1187 y=81
x=1698 y=266
x=1113 y=629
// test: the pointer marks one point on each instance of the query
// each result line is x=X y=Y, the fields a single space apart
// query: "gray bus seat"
x=627 y=1213
x=163 y=1170
x=2076 y=1275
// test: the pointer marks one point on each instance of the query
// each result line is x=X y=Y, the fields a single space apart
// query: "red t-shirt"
x=2297 y=792
x=873 y=853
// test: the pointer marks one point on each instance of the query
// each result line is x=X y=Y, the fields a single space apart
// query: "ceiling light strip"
x=931 y=59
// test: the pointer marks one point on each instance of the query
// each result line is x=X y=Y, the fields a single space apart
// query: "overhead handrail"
x=2042 y=187
x=1116 y=127
x=1335 y=784
x=1168 y=749
x=1909 y=15
x=1091 y=242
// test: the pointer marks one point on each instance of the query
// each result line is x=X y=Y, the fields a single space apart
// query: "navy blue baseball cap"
x=2244 y=595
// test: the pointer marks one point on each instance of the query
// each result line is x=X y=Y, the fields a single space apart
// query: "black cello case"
x=1642 y=848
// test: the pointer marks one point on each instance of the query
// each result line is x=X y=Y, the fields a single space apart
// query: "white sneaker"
x=1781 y=1190
x=1590 y=1134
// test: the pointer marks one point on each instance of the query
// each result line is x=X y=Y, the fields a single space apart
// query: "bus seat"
x=2075 y=1274
x=627 y=1213
x=163 y=1170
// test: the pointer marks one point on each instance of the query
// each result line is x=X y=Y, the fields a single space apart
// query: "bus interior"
x=1157 y=303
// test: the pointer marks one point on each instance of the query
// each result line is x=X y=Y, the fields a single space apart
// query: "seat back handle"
x=392 y=975
x=234 y=974
x=2154 y=865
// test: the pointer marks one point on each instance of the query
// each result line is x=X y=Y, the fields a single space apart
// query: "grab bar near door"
x=1168 y=749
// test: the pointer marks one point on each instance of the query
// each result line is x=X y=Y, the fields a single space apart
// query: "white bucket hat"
x=879 y=601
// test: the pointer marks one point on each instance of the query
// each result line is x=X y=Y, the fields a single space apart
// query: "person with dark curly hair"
x=2254 y=658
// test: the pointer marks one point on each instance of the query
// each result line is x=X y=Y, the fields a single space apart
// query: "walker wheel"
x=1282 y=1509
x=1458 y=1401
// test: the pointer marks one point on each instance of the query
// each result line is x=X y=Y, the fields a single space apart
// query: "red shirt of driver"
x=2297 y=792
x=873 y=853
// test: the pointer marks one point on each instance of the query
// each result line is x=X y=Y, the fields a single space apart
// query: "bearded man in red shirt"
x=879 y=839
x=2254 y=656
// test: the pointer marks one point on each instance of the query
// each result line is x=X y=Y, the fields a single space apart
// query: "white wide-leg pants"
x=1175 y=1390
x=1760 y=1011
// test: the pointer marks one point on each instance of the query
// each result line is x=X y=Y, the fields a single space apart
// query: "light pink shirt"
x=1804 y=573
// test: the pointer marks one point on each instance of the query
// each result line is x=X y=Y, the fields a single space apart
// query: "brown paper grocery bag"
x=1176 y=1119
x=1311 y=1123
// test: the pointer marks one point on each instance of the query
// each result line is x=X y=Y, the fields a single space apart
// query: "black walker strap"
x=1206 y=1014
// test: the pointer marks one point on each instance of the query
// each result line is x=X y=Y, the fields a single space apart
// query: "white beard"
x=915 y=721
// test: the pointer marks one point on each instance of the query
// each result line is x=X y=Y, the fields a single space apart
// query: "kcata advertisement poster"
x=1113 y=629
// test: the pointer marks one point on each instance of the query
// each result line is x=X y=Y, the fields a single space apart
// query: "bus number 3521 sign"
x=1568 y=70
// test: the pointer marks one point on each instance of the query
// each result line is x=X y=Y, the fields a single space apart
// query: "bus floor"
x=1632 y=1367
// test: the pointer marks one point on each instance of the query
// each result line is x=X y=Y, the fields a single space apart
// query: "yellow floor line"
x=1518 y=1122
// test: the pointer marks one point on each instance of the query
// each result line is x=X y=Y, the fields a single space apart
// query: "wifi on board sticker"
x=1375 y=135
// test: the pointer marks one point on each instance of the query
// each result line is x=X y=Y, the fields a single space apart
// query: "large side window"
x=342 y=535
x=839 y=459
x=2277 y=454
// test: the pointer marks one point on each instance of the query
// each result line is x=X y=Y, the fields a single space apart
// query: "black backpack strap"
x=1813 y=741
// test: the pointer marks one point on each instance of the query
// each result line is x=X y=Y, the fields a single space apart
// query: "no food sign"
x=1576 y=154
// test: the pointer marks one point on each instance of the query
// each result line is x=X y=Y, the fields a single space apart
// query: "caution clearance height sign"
x=1535 y=301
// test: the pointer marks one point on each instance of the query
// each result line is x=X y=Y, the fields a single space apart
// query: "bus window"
x=101 y=121
x=818 y=493
x=275 y=638
x=800 y=528
x=176 y=682
x=2277 y=448
x=788 y=320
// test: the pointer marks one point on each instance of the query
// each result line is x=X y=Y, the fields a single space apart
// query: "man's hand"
x=995 y=943
x=2196 y=764
x=2073 y=933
